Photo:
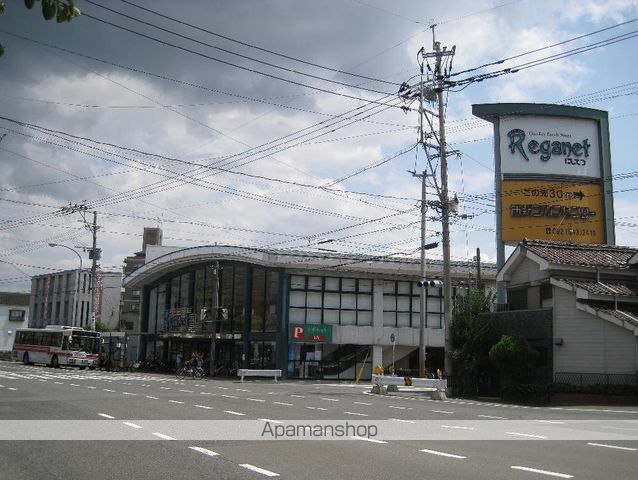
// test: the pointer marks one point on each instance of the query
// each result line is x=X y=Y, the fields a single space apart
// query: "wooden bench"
x=439 y=386
x=248 y=372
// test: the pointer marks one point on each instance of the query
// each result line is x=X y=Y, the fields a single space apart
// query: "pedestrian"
x=178 y=361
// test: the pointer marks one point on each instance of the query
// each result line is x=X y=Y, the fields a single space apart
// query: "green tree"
x=514 y=358
x=472 y=335
x=62 y=10
x=100 y=327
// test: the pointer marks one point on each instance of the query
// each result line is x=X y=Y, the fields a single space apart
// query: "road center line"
x=268 y=420
x=134 y=425
x=229 y=396
x=401 y=420
x=129 y=393
x=362 y=403
x=268 y=473
x=162 y=436
x=176 y=401
x=151 y=397
x=204 y=406
x=234 y=413
x=108 y=390
x=283 y=403
x=373 y=440
x=443 y=454
x=543 y=472
x=457 y=427
x=526 y=435
x=330 y=399
x=355 y=413
x=442 y=411
x=255 y=399
x=110 y=417
x=631 y=449
x=205 y=451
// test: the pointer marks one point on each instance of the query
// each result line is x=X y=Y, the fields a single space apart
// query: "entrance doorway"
x=227 y=357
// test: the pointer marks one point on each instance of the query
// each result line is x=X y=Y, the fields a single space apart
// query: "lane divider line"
x=542 y=472
x=133 y=425
x=263 y=471
x=205 y=451
x=443 y=454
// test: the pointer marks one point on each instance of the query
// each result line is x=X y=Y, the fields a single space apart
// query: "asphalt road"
x=154 y=420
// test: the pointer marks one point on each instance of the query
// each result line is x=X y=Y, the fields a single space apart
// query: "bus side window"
x=65 y=343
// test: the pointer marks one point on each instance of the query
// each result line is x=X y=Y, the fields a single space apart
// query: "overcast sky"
x=221 y=141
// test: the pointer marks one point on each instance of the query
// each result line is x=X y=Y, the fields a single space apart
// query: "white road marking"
x=283 y=403
x=91 y=387
x=58 y=383
x=551 y=421
x=74 y=384
x=186 y=391
x=542 y=472
x=631 y=449
x=394 y=406
x=492 y=416
x=108 y=390
x=373 y=440
x=131 y=424
x=401 y=420
x=255 y=399
x=322 y=409
x=457 y=427
x=355 y=413
x=268 y=473
x=242 y=390
x=151 y=397
x=161 y=435
x=205 y=451
x=205 y=393
x=176 y=401
x=362 y=403
x=223 y=388
x=442 y=454
x=129 y=393
x=269 y=420
x=442 y=411
x=311 y=408
x=526 y=435
x=234 y=413
x=298 y=396
x=204 y=406
x=12 y=389
x=229 y=396
x=330 y=399
x=165 y=388
x=110 y=417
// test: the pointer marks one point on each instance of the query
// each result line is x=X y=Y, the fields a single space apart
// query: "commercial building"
x=313 y=315
x=64 y=298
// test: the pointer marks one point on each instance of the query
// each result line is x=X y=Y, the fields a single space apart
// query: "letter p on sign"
x=297 y=332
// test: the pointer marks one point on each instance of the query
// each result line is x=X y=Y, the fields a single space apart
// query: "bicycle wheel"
x=198 y=373
x=181 y=373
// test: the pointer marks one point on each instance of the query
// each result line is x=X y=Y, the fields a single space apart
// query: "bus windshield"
x=85 y=344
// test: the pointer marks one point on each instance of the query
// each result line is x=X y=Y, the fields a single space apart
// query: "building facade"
x=591 y=292
x=312 y=315
x=64 y=298
x=14 y=314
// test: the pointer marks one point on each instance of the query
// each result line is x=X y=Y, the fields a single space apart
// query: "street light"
x=76 y=297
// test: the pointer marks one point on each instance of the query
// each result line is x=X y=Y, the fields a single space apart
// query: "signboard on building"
x=310 y=333
x=553 y=173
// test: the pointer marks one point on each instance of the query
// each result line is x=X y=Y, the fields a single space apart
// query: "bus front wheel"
x=25 y=359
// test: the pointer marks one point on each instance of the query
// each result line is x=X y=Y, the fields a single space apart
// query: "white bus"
x=57 y=345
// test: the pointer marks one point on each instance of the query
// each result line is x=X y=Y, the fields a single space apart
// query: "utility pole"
x=435 y=89
x=94 y=256
x=423 y=290
x=94 y=253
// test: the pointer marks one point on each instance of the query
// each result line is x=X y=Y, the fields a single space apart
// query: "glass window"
x=297 y=315
x=403 y=304
x=364 y=302
x=404 y=288
x=388 y=287
x=297 y=299
x=272 y=296
x=364 y=318
x=332 y=284
x=389 y=303
x=348 y=317
x=258 y=300
x=389 y=319
x=331 y=317
x=331 y=300
x=403 y=319
x=365 y=286
x=348 y=300
x=298 y=282
x=313 y=315
x=348 y=284
x=315 y=283
x=314 y=299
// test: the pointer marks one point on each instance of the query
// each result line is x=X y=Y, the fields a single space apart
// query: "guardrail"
x=382 y=382
x=247 y=372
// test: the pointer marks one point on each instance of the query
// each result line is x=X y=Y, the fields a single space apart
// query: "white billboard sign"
x=545 y=145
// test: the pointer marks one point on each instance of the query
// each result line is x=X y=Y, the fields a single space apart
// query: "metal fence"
x=603 y=383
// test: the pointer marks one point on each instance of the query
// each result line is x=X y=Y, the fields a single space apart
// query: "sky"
x=276 y=124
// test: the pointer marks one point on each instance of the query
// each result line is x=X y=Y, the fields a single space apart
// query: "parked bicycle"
x=190 y=371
